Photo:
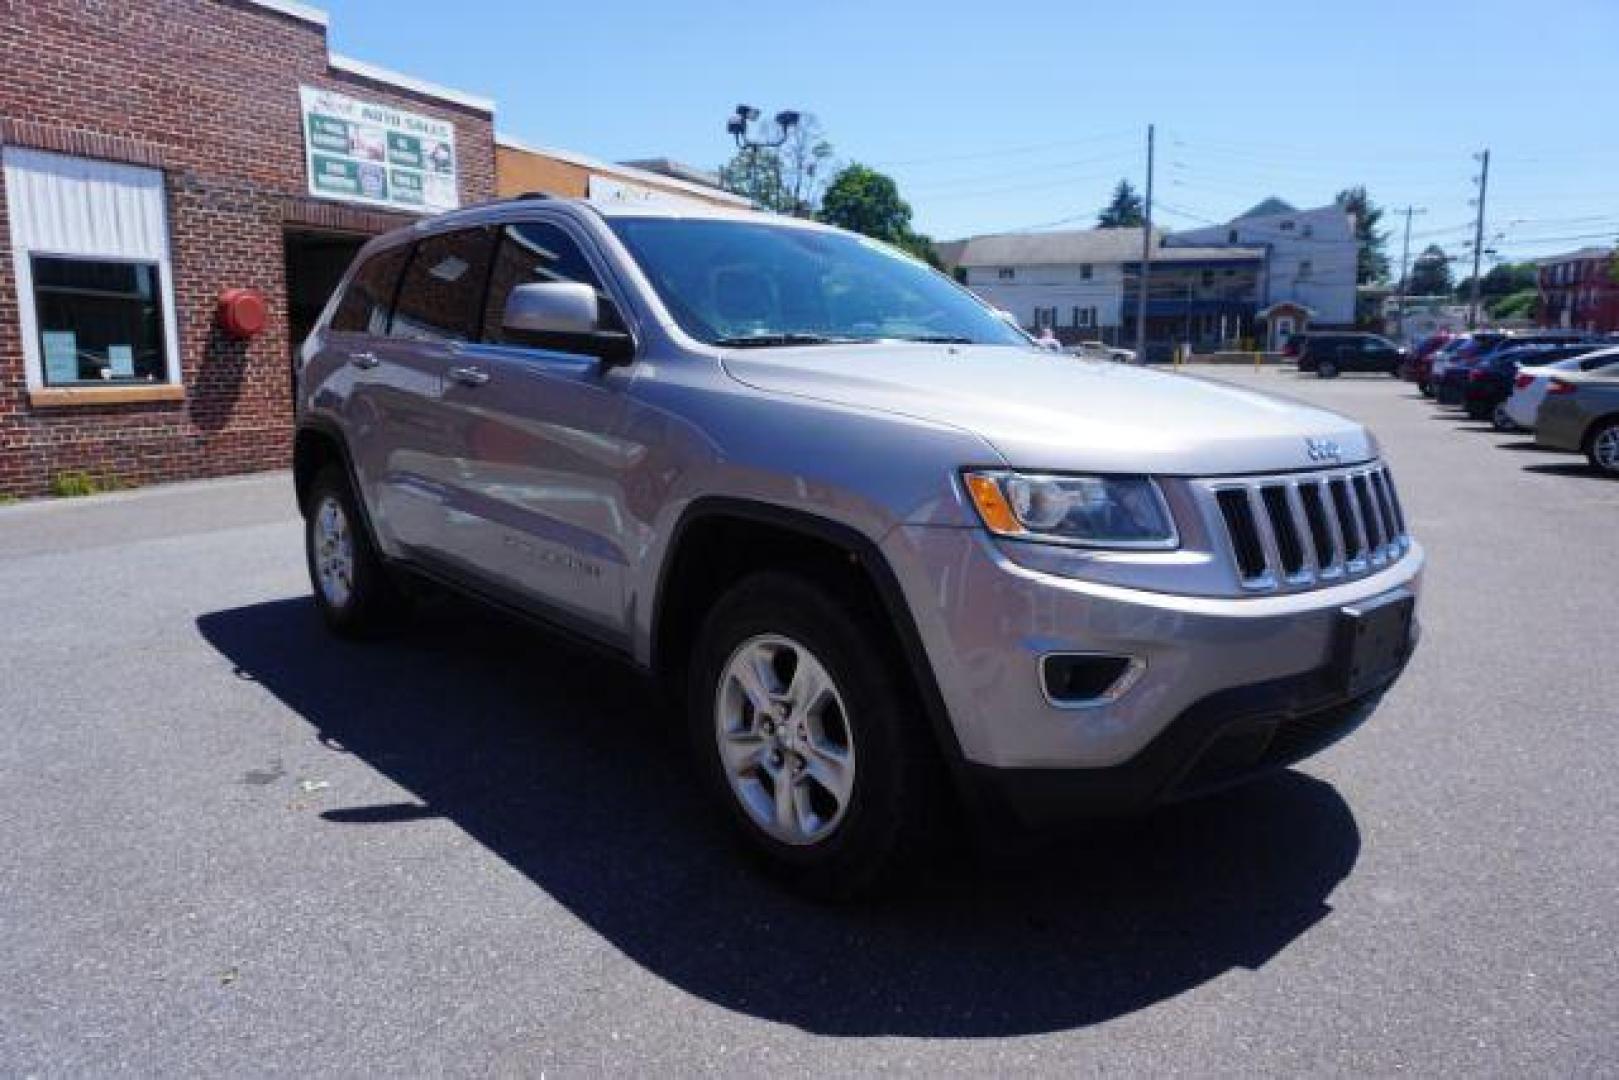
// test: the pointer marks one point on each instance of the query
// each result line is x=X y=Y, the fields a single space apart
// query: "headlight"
x=1090 y=511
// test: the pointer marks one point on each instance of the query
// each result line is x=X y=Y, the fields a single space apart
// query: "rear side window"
x=532 y=252
x=439 y=298
x=364 y=307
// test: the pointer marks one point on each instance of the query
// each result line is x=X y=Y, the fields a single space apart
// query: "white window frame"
x=123 y=219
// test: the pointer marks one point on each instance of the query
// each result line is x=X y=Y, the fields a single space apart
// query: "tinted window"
x=439 y=300
x=534 y=252
x=364 y=307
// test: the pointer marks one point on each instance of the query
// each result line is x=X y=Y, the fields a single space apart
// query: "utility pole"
x=1478 y=238
x=1405 y=264
x=1146 y=261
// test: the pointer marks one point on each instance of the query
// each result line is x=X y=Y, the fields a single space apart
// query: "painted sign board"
x=366 y=152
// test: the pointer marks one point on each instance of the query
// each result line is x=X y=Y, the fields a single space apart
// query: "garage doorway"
x=315 y=264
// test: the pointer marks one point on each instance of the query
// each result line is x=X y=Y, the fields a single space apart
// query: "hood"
x=1044 y=410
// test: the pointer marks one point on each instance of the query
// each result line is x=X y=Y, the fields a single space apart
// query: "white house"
x=1311 y=256
x=1072 y=279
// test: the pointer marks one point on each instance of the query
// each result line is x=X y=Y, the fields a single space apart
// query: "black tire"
x=1425 y=388
x=1477 y=412
x=1602 y=446
x=1501 y=421
x=887 y=821
x=1327 y=369
x=372 y=602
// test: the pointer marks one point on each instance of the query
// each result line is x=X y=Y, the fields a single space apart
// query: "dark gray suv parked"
x=1328 y=353
x=883 y=551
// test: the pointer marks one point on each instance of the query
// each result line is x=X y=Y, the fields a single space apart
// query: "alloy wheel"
x=334 y=552
x=1605 y=449
x=785 y=741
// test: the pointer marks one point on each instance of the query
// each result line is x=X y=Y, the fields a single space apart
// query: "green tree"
x=756 y=173
x=866 y=201
x=1517 y=305
x=1430 y=273
x=1123 y=211
x=787 y=179
x=806 y=163
x=1371 y=260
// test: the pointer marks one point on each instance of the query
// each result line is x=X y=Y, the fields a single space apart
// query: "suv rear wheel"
x=352 y=588
x=1327 y=369
x=818 y=759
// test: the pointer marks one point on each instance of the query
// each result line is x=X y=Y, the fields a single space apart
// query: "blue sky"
x=996 y=117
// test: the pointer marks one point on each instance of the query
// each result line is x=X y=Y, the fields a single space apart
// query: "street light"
x=738 y=123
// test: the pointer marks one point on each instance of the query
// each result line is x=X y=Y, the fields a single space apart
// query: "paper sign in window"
x=121 y=358
x=61 y=356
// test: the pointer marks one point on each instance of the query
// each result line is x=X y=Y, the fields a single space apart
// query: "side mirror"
x=564 y=315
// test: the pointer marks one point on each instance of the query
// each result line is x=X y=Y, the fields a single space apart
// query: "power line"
x=1009 y=151
x=1055 y=167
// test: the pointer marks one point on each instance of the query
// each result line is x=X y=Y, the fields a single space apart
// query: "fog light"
x=1081 y=680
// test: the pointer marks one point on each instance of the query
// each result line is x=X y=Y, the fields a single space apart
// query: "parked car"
x=1482 y=384
x=1461 y=350
x=1415 y=367
x=1483 y=343
x=848 y=517
x=1328 y=353
x=1529 y=388
x=1424 y=367
x=1581 y=412
x=1101 y=350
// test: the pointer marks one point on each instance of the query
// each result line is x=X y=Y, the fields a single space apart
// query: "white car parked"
x=1529 y=388
x=1100 y=350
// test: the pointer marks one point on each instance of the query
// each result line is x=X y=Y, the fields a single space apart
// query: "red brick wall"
x=207 y=90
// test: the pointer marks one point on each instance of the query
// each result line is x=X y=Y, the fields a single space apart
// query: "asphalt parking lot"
x=229 y=843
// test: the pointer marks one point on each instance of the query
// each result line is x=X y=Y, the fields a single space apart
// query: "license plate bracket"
x=1374 y=638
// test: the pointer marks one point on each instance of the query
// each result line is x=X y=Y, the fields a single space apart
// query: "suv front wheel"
x=817 y=757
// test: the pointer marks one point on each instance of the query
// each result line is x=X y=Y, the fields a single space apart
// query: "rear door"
x=416 y=451
x=540 y=497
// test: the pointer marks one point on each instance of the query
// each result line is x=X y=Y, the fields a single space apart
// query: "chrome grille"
x=1298 y=531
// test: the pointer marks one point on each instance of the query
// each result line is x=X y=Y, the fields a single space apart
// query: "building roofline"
x=629 y=171
x=293 y=9
x=375 y=73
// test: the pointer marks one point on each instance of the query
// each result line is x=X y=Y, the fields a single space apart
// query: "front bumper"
x=1225 y=739
x=986 y=622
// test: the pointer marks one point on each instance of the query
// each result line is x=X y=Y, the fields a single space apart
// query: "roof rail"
x=533 y=195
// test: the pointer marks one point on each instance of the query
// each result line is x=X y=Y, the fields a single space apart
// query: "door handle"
x=364 y=360
x=469 y=376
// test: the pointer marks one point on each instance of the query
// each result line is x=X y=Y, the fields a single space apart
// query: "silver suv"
x=891 y=559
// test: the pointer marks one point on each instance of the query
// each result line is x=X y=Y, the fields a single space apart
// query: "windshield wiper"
x=765 y=341
x=937 y=339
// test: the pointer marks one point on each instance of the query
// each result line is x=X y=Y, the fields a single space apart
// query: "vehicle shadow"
x=1530 y=445
x=564 y=767
x=1581 y=469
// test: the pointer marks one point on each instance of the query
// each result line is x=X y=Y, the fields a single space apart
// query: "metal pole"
x=1146 y=261
x=1478 y=239
x=1405 y=266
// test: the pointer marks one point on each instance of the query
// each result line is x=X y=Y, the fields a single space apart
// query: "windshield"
x=747 y=283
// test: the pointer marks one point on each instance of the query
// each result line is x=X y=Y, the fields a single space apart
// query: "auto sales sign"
x=360 y=151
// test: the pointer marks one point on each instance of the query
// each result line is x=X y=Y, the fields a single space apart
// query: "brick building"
x=1579 y=290
x=156 y=154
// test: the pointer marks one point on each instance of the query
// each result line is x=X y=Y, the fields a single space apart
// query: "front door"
x=539 y=505
x=1283 y=330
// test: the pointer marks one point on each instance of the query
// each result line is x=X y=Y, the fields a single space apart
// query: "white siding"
x=1323 y=237
x=1060 y=287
